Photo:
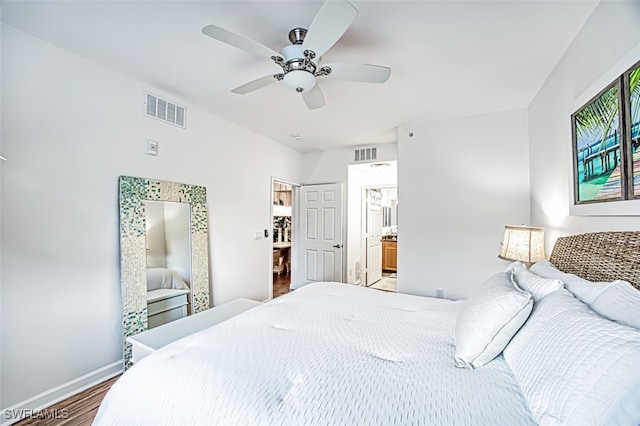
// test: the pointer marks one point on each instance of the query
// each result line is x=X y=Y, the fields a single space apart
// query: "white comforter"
x=327 y=353
x=162 y=278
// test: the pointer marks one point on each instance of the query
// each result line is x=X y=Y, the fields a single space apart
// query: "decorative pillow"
x=619 y=301
x=515 y=266
x=538 y=286
x=488 y=320
x=575 y=367
x=616 y=300
x=583 y=289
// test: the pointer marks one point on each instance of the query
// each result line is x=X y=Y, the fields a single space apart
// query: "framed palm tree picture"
x=632 y=87
x=597 y=148
x=606 y=143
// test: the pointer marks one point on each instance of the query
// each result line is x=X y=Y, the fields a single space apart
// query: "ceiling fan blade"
x=330 y=23
x=313 y=98
x=238 y=41
x=360 y=72
x=254 y=85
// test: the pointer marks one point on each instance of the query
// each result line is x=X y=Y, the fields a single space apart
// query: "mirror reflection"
x=389 y=205
x=168 y=259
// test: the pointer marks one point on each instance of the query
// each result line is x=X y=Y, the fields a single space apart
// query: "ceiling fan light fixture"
x=299 y=80
x=293 y=51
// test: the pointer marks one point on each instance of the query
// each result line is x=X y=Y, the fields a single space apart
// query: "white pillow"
x=583 y=289
x=616 y=300
x=488 y=320
x=575 y=367
x=538 y=286
x=619 y=301
x=515 y=266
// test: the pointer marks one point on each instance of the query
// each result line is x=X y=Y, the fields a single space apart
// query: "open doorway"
x=282 y=212
x=372 y=225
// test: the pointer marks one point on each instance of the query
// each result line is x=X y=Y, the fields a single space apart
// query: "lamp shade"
x=523 y=243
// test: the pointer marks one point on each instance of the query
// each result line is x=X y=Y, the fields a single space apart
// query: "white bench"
x=150 y=341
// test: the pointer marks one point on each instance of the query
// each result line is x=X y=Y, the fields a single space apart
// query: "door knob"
x=337 y=246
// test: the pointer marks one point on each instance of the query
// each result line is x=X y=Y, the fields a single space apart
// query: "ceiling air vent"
x=366 y=154
x=165 y=110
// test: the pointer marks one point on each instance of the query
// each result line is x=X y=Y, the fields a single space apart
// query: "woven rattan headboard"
x=600 y=256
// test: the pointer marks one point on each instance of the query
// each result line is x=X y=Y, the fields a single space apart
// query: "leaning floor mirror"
x=164 y=259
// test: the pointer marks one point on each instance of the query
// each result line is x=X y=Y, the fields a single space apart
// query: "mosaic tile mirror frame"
x=133 y=192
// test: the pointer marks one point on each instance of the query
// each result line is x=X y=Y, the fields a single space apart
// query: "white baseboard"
x=11 y=415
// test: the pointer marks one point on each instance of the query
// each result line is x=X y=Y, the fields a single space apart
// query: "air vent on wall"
x=366 y=154
x=165 y=110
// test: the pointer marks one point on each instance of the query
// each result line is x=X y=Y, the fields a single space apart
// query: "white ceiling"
x=448 y=58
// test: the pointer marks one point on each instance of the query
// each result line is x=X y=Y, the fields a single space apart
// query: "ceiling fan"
x=300 y=60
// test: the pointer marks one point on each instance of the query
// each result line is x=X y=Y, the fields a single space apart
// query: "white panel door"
x=374 y=236
x=320 y=242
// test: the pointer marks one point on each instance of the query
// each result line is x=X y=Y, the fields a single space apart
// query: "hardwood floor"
x=281 y=284
x=78 y=410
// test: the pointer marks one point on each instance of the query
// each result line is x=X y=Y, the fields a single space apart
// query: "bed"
x=332 y=353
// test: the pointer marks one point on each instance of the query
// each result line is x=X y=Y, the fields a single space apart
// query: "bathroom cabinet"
x=389 y=255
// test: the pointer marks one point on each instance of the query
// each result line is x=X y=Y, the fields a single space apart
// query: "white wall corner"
x=31 y=406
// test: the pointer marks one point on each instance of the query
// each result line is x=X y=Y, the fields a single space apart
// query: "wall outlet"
x=440 y=293
x=152 y=147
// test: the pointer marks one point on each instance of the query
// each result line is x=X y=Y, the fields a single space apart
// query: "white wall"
x=70 y=128
x=593 y=60
x=459 y=182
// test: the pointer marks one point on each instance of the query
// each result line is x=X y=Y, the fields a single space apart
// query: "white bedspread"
x=162 y=278
x=327 y=353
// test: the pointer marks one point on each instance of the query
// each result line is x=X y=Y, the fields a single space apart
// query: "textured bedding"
x=326 y=353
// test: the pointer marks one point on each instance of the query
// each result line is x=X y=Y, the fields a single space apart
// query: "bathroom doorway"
x=372 y=225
